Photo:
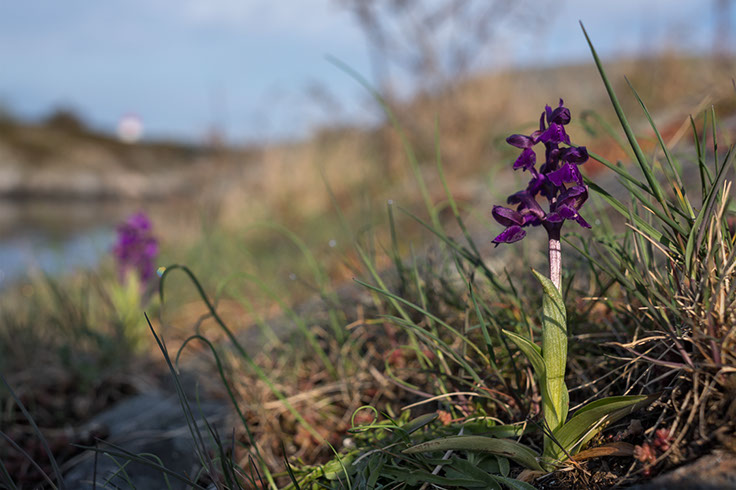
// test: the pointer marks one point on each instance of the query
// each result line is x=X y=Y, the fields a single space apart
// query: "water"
x=55 y=238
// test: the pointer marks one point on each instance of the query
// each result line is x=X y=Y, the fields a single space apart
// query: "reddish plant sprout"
x=645 y=453
x=136 y=247
x=662 y=439
x=444 y=417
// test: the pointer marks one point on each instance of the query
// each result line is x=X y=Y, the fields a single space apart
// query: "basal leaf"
x=554 y=353
x=591 y=419
x=531 y=350
x=419 y=422
x=501 y=447
x=414 y=477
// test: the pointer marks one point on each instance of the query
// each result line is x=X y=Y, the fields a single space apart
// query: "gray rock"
x=152 y=423
x=717 y=471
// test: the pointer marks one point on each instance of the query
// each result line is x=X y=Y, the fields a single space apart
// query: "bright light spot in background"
x=130 y=128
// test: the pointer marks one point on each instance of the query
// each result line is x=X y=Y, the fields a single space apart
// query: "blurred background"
x=255 y=136
x=228 y=112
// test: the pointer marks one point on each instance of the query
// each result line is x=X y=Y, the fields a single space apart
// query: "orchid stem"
x=555 y=258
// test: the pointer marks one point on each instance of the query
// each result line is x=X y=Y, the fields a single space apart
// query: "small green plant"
x=559 y=180
x=135 y=252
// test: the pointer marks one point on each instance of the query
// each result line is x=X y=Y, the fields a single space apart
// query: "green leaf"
x=501 y=447
x=335 y=468
x=491 y=480
x=531 y=350
x=591 y=419
x=511 y=430
x=554 y=353
x=419 y=422
x=414 y=477
x=375 y=465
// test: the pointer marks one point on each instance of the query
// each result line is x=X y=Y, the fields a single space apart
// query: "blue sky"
x=248 y=65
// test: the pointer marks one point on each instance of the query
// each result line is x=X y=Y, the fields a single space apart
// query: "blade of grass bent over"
x=37 y=431
x=241 y=350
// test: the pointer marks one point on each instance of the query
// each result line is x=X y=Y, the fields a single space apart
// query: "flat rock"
x=716 y=471
x=152 y=423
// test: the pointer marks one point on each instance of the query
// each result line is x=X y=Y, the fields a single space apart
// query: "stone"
x=152 y=423
x=716 y=471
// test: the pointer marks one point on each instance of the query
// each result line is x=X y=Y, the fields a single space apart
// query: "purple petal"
x=520 y=141
x=574 y=155
x=555 y=134
x=536 y=184
x=139 y=221
x=136 y=247
x=510 y=235
x=561 y=115
x=531 y=219
x=527 y=204
x=506 y=216
x=574 y=196
x=554 y=217
x=568 y=173
x=526 y=160
x=566 y=212
x=582 y=222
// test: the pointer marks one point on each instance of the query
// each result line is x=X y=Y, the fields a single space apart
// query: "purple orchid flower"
x=558 y=179
x=136 y=247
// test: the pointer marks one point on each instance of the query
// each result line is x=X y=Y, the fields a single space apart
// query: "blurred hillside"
x=62 y=159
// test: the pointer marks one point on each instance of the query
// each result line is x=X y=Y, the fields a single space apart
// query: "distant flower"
x=558 y=179
x=136 y=247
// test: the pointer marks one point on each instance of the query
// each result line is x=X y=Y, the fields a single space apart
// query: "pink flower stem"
x=555 y=259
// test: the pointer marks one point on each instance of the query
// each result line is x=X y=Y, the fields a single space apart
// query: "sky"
x=257 y=69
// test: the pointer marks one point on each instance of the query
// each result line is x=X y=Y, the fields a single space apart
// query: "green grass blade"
x=437 y=342
x=697 y=232
x=450 y=198
x=428 y=314
x=668 y=157
x=663 y=216
x=640 y=157
x=395 y=255
x=28 y=458
x=408 y=149
x=474 y=260
x=702 y=168
x=226 y=383
x=122 y=453
x=38 y=433
x=621 y=171
x=624 y=211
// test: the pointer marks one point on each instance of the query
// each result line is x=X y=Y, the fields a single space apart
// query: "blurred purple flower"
x=136 y=247
x=558 y=179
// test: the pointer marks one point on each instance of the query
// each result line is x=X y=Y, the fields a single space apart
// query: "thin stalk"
x=555 y=258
